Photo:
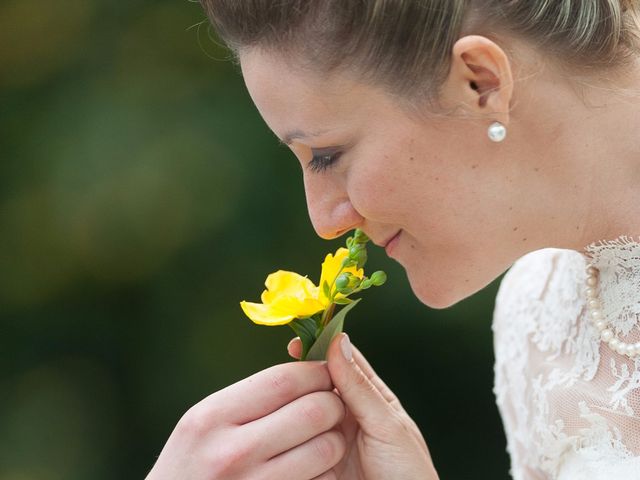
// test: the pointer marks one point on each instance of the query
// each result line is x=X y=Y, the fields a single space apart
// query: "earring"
x=497 y=132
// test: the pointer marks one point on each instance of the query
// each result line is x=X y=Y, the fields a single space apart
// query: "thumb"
x=357 y=391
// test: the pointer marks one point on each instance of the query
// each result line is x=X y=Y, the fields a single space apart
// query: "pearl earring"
x=497 y=132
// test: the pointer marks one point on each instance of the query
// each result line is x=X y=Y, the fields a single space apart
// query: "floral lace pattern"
x=570 y=405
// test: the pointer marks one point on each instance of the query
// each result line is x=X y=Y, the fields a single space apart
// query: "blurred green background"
x=141 y=198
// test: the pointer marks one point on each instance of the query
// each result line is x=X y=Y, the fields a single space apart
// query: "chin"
x=439 y=295
x=438 y=302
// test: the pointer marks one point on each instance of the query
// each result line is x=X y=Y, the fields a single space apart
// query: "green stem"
x=327 y=315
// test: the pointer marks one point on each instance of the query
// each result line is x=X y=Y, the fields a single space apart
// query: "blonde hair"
x=405 y=45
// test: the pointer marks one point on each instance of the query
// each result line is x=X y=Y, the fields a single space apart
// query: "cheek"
x=384 y=188
x=372 y=189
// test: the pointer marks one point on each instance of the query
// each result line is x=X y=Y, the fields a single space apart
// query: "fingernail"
x=345 y=345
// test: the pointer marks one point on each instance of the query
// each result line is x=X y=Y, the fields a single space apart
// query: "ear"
x=480 y=78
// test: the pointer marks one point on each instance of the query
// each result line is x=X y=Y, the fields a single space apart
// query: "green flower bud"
x=354 y=250
x=360 y=236
x=378 y=278
x=345 y=290
x=354 y=282
x=342 y=281
x=346 y=283
x=347 y=262
x=360 y=257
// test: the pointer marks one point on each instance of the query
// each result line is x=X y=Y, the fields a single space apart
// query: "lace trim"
x=619 y=264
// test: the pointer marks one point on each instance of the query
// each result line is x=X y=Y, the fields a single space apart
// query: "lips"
x=385 y=243
x=392 y=242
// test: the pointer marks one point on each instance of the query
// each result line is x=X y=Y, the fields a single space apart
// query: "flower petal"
x=298 y=307
x=288 y=284
x=265 y=314
x=288 y=296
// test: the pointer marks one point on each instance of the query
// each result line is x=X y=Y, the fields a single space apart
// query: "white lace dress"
x=570 y=405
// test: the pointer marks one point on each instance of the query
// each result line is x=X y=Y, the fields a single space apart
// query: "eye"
x=323 y=160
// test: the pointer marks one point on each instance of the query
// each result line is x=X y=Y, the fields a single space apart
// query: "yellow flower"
x=288 y=296
x=330 y=268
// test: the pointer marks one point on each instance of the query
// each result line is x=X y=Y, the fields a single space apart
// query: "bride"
x=465 y=137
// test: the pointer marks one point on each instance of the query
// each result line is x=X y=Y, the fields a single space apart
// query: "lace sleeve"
x=569 y=404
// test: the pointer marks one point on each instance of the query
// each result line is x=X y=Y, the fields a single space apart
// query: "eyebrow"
x=299 y=135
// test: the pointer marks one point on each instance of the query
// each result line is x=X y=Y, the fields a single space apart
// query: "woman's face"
x=437 y=189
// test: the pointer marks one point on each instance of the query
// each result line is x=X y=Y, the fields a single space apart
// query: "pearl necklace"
x=597 y=317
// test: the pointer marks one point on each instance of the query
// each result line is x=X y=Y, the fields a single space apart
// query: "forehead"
x=291 y=98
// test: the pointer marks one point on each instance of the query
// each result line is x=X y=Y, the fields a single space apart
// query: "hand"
x=277 y=424
x=382 y=441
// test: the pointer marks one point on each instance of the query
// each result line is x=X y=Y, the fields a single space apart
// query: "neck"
x=592 y=153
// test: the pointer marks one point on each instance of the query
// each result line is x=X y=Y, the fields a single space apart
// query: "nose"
x=330 y=208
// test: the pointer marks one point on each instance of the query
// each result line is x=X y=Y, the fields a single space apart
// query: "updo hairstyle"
x=405 y=45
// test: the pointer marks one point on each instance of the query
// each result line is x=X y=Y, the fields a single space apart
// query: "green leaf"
x=305 y=328
x=319 y=349
x=342 y=301
x=326 y=289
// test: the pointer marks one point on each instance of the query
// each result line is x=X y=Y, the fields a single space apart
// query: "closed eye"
x=322 y=161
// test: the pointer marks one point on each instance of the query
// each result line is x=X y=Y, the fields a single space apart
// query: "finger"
x=330 y=475
x=267 y=391
x=361 y=396
x=295 y=348
x=373 y=377
x=309 y=460
x=294 y=424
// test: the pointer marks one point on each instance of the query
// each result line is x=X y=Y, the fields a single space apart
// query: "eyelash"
x=321 y=163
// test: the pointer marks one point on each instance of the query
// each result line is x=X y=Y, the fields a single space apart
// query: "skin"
x=466 y=209
x=287 y=422
x=381 y=440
